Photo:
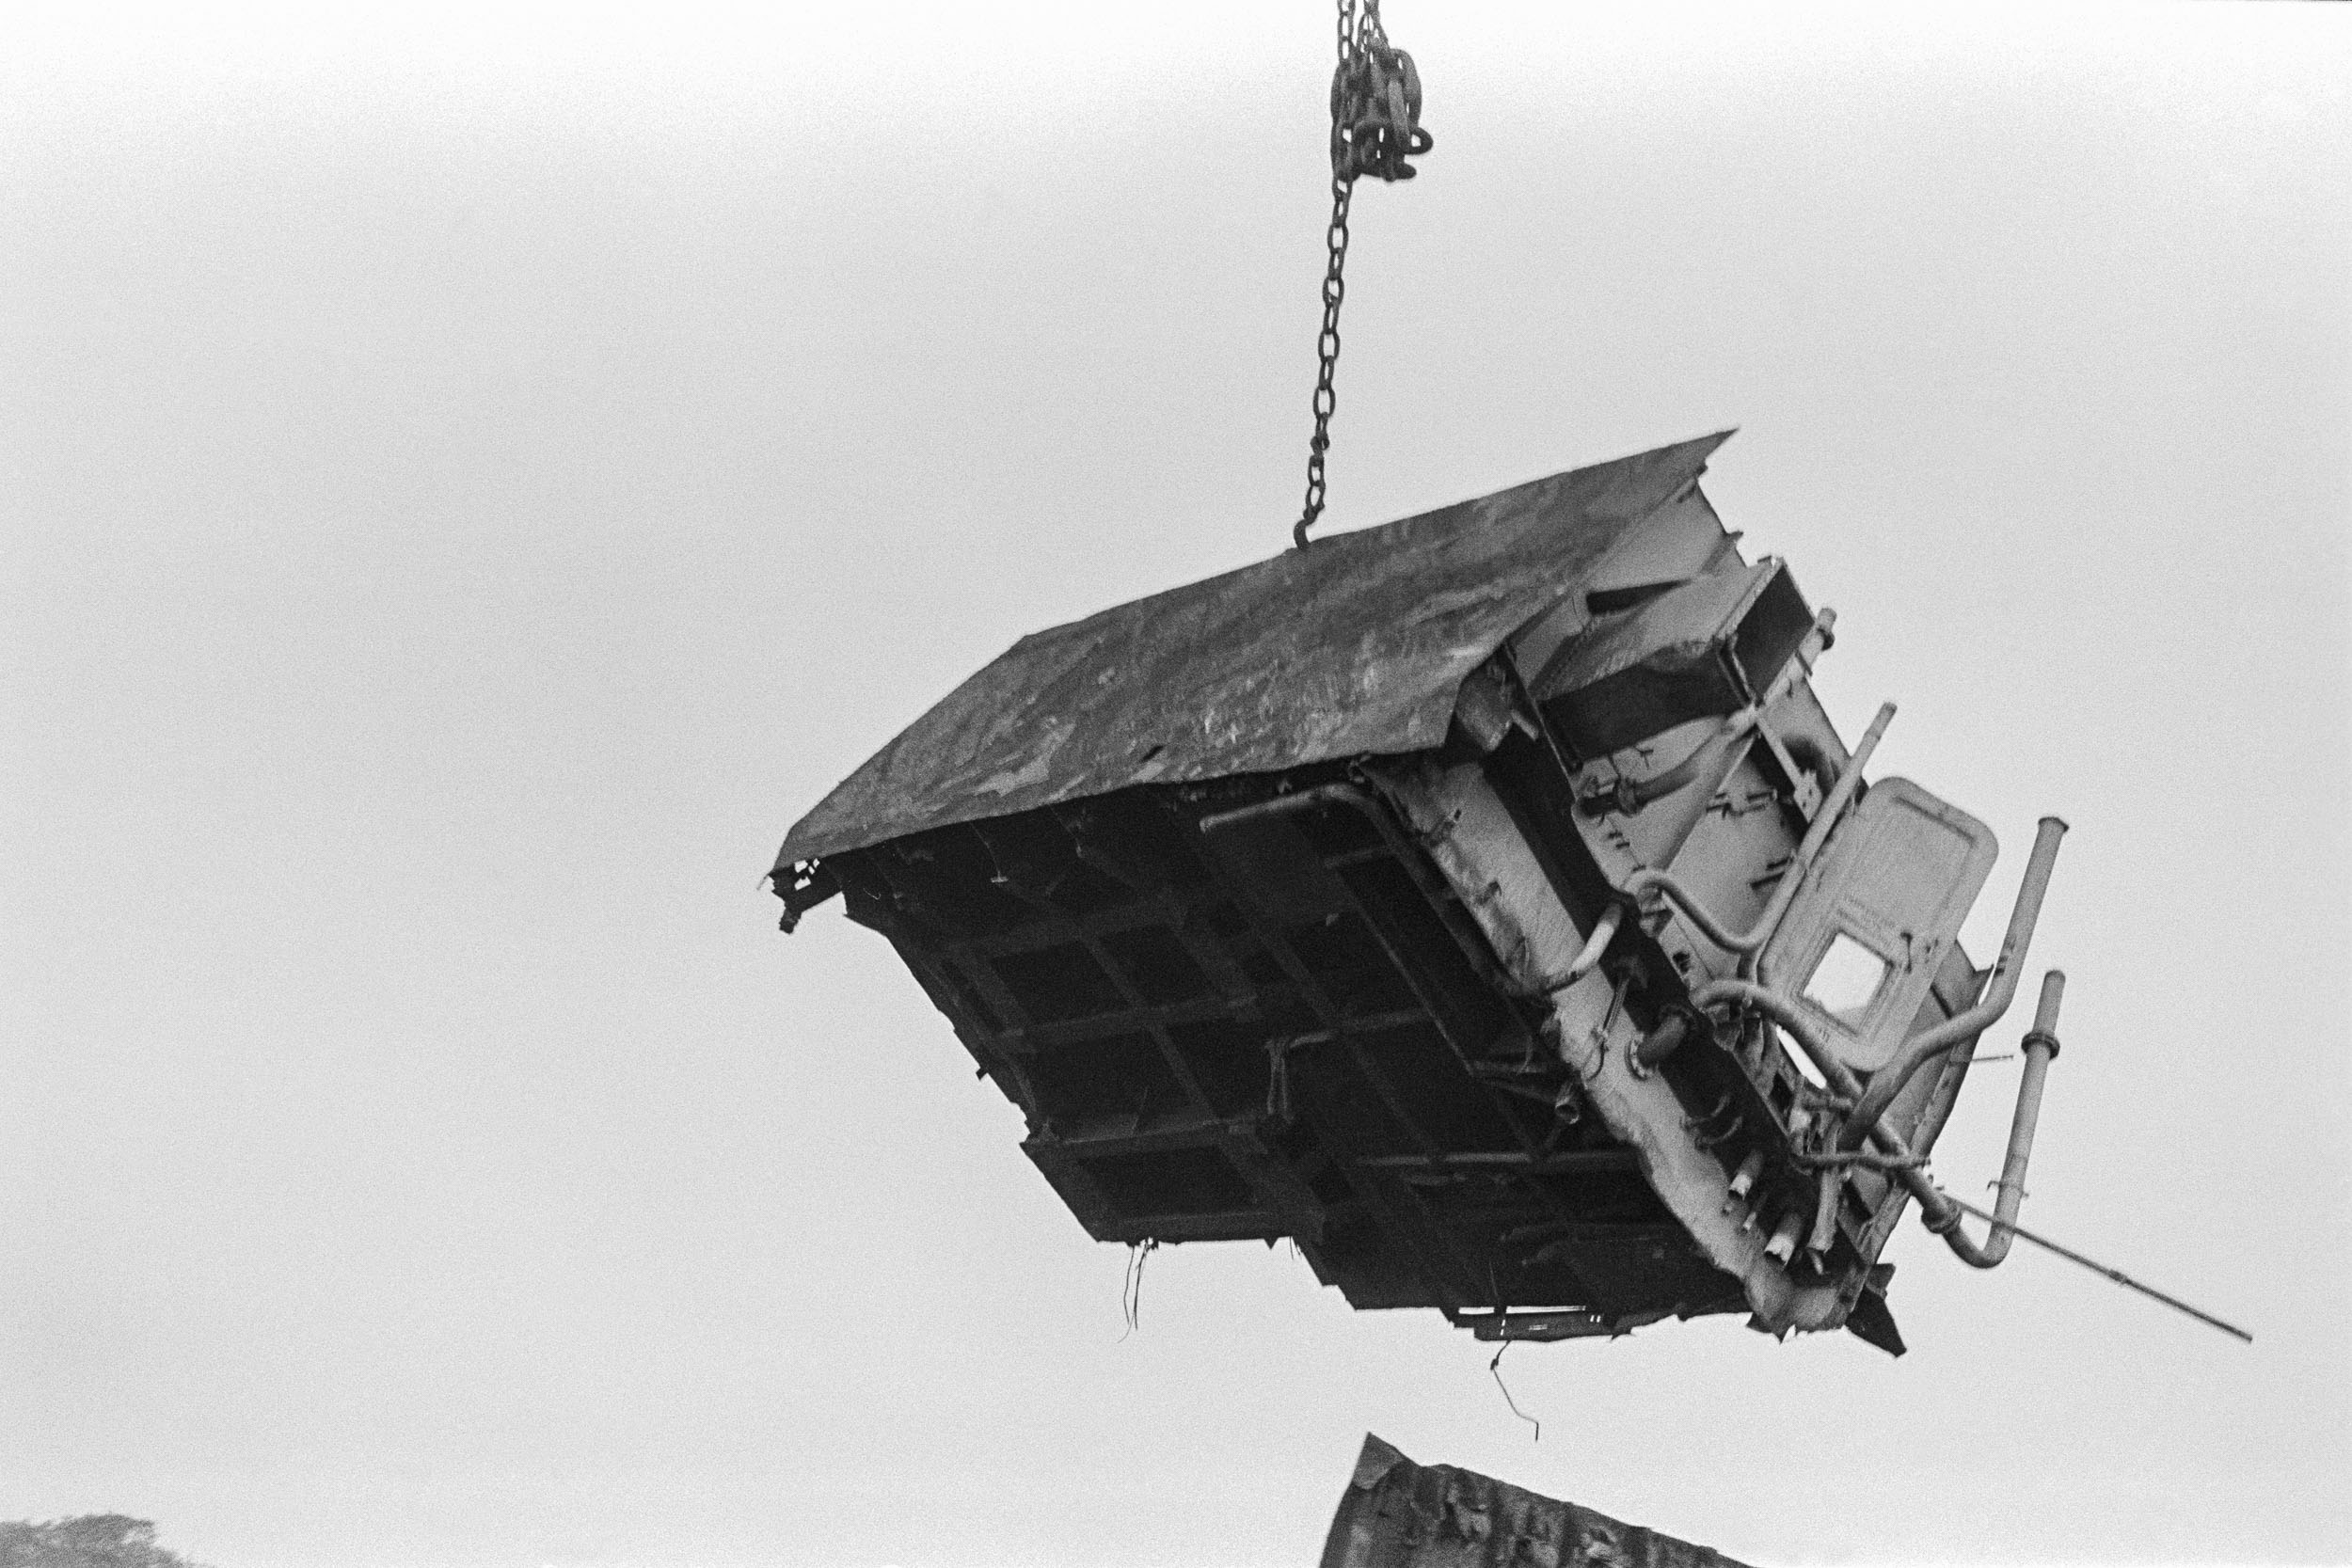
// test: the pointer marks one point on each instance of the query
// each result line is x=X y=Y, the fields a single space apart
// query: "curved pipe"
x=1782 y=1011
x=1937 y=1211
x=1663 y=1042
x=1754 y=937
x=1588 y=959
x=1889 y=1081
x=2041 y=1048
x=1832 y=1181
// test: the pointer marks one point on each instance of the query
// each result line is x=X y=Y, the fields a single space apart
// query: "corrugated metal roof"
x=1399 y=1515
x=1355 y=645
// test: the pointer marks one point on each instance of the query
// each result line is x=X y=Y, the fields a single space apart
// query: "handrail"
x=1749 y=941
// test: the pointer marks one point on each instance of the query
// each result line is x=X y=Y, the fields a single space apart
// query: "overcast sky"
x=472 y=476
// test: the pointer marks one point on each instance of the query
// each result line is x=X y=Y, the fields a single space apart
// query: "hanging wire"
x=1131 y=1289
x=1495 y=1367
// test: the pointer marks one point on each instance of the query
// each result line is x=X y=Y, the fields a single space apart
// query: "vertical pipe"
x=2041 y=1048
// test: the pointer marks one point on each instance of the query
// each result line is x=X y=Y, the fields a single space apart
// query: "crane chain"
x=1376 y=126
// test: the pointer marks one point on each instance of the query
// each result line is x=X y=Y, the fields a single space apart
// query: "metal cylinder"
x=1663 y=1042
x=1604 y=932
x=1833 y=1184
x=2041 y=1049
x=1744 y=1178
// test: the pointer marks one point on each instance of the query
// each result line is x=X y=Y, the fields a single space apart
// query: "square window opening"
x=1847 y=980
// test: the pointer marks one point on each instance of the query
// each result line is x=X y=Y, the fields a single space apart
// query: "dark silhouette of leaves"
x=86 y=1541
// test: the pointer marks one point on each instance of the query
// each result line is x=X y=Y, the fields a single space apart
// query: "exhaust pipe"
x=2042 y=1049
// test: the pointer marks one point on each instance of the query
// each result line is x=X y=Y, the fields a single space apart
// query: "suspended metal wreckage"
x=1482 y=901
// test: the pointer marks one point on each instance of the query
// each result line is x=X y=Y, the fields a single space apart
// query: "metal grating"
x=1252 y=1011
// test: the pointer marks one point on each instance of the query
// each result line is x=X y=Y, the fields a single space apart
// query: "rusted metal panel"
x=1353 y=646
x=1399 y=1515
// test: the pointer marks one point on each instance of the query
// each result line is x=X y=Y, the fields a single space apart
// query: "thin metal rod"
x=2117 y=1274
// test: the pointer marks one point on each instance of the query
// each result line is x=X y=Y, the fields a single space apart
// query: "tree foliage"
x=86 y=1541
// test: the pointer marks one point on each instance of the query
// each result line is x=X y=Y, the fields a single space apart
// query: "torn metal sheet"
x=1353 y=646
x=1399 y=1515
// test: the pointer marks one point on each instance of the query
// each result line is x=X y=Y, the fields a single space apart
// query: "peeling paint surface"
x=1353 y=646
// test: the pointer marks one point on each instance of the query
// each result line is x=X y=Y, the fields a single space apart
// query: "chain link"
x=1375 y=114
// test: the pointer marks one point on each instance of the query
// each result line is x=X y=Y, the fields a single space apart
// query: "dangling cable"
x=1131 y=1289
x=1495 y=1367
x=1375 y=125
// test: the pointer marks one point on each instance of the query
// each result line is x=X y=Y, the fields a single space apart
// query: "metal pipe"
x=2041 y=1048
x=1782 y=1011
x=1938 y=1211
x=1604 y=932
x=1753 y=938
x=1830 y=1186
x=1744 y=1178
x=1663 y=1042
x=1889 y=1081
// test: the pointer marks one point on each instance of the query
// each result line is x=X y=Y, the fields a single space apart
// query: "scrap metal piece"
x=1286 y=904
x=1399 y=1515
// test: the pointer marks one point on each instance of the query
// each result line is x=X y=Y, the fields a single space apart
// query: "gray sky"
x=471 y=477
